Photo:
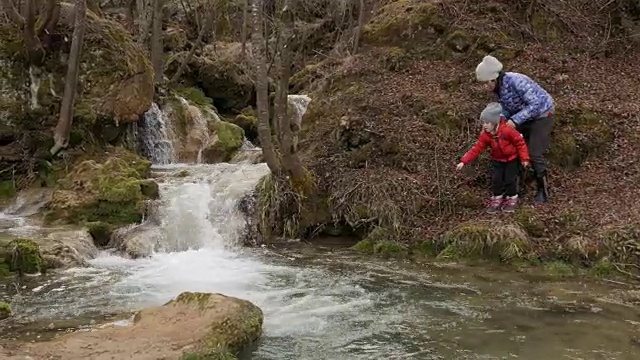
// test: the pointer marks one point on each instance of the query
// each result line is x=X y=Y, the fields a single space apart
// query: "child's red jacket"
x=506 y=145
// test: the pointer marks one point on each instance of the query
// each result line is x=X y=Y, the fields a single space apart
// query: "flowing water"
x=326 y=302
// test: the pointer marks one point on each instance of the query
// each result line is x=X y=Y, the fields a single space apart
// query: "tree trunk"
x=63 y=129
x=31 y=41
x=183 y=65
x=282 y=115
x=143 y=21
x=245 y=30
x=358 y=34
x=156 y=42
x=262 y=87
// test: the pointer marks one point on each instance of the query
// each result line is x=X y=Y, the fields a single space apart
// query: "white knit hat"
x=488 y=69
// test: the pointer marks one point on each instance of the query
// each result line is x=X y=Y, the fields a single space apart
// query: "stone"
x=67 y=248
x=193 y=325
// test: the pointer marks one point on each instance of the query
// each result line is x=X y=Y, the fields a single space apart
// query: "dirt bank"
x=388 y=125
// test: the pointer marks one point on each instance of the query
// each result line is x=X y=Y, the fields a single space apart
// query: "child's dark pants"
x=505 y=178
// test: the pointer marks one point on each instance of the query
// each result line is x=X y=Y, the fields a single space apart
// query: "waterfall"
x=199 y=132
x=154 y=135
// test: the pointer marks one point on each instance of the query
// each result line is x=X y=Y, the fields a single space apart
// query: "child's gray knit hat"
x=491 y=113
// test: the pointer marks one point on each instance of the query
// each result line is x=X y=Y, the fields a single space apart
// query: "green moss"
x=150 y=189
x=248 y=123
x=559 y=268
x=229 y=139
x=23 y=256
x=195 y=95
x=214 y=355
x=100 y=232
x=402 y=21
x=394 y=58
x=380 y=242
x=530 y=222
x=602 y=268
x=5 y=310
x=231 y=338
x=504 y=242
x=4 y=265
x=7 y=190
x=109 y=191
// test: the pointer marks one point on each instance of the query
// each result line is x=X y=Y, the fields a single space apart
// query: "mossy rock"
x=243 y=324
x=5 y=310
x=23 y=256
x=405 y=23
x=229 y=138
x=109 y=191
x=150 y=189
x=380 y=241
x=100 y=232
x=249 y=123
x=195 y=96
x=490 y=240
x=224 y=77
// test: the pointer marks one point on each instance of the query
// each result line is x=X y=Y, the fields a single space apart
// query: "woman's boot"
x=542 y=194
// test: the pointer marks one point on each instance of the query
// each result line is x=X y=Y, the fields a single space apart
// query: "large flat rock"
x=193 y=323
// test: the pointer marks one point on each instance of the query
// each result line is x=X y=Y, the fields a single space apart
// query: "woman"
x=528 y=108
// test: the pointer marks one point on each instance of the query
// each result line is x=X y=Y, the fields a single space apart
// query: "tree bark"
x=183 y=65
x=31 y=41
x=143 y=21
x=282 y=115
x=262 y=87
x=358 y=34
x=156 y=42
x=63 y=129
x=245 y=30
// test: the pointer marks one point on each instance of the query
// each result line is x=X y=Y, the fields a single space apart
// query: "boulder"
x=137 y=241
x=193 y=325
x=227 y=140
x=109 y=190
x=67 y=248
x=22 y=256
x=115 y=88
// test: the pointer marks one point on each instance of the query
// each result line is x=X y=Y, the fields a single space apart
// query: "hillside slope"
x=388 y=125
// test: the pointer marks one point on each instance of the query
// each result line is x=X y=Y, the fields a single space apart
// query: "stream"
x=326 y=302
x=319 y=301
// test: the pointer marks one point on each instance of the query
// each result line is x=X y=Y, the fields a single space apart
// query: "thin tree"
x=282 y=115
x=156 y=41
x=262 y=87
x=358 y=32
x=63 y=129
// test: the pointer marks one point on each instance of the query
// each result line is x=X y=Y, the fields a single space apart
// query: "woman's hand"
x=511 y=123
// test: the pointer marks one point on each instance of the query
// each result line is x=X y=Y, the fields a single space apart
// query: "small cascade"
x=198 y=135
x=155 y=135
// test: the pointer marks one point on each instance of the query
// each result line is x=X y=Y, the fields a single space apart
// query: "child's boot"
x=510 y=203
x=494 y=204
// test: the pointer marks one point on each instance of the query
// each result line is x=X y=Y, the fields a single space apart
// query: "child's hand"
x=459 y=166
x=525 y=164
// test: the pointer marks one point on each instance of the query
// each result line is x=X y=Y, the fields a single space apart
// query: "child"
x=506 y=144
